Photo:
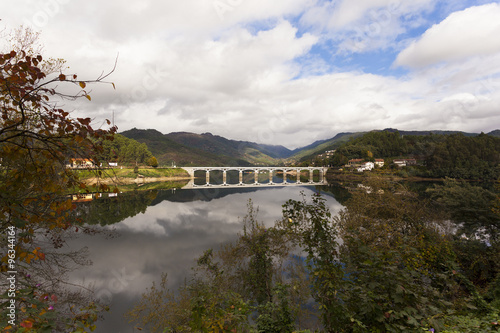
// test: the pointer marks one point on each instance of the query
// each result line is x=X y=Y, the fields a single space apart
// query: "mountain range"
x=190 y=149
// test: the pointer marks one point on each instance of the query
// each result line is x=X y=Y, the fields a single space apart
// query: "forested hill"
x=222 y=146
x=452 y=155
x=310 y=152
x=189 y=149
x=169 y=152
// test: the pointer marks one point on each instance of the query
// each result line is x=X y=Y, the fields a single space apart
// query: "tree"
x=37 y=138
x=395 y=260
x=125 y=151
x=153 y=162
x=314 y=231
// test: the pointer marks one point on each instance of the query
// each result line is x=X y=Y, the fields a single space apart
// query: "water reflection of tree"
x=110 y=210
x=339 y=191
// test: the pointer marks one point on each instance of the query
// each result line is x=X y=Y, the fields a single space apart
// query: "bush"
x=153 y=162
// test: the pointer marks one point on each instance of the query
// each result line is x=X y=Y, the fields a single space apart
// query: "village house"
x=411 y=161
x=354 y=162
x=399 y=162
x=361 y=166
x=367 y=166
x=404 y=162
x=80 y=163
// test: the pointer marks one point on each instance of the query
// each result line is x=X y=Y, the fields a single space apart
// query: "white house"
x=367 y=166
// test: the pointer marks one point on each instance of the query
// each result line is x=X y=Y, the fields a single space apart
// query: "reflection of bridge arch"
x=257 y=170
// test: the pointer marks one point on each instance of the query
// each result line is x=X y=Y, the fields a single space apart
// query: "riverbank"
x=127 y=176
x=335 y=175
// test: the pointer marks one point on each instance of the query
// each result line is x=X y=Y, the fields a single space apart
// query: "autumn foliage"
x=37 y=138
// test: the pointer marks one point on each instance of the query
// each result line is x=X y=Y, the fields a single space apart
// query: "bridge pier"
x=224 y=177
x=256 y=177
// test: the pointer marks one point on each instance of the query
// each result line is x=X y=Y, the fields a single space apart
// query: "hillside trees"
x=458 y=156
x=36 y=139
x=454 y=156
x=379 y=144
x=125 y=151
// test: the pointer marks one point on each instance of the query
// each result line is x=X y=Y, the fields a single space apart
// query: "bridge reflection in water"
x=256 y=171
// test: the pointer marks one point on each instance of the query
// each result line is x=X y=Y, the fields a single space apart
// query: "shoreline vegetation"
x=351 y=176
x=401 y=174
x=127 y=176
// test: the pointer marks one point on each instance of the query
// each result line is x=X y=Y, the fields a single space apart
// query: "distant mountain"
x=168 y=151
x=221 y=146
x=495 y=133
x=321 y=146
x=438 y=132
x=186 y=149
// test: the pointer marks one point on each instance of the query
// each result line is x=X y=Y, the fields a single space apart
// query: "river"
x=164 y=231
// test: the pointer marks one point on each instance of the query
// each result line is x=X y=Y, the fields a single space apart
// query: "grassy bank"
x=127 y=180
x=128 y=173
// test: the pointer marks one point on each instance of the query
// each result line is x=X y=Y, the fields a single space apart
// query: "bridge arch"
x=257 y=170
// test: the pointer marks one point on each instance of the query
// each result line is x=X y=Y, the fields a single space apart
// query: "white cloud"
x=365 y=25
x=249 y=73
x=471 y=32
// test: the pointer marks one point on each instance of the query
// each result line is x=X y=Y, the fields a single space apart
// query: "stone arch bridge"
x=256 y=171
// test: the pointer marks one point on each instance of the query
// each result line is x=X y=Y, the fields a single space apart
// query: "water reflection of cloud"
x=168 y=238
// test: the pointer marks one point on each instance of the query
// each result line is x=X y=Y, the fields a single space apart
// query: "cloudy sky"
x=284 y=71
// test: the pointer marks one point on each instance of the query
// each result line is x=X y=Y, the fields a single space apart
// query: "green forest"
x=438 y=156
x=125 y=151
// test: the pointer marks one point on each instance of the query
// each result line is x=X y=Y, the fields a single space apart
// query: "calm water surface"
x=165 y=231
